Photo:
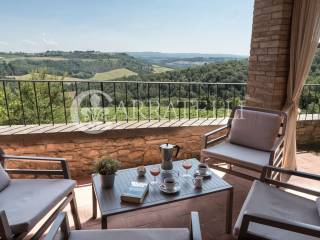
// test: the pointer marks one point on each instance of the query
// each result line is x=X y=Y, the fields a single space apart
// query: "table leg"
x=104 y=224
x=94 y=203
x=229 y=209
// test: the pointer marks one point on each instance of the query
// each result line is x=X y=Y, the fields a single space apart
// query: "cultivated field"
x=113 y=74
x=160 y=69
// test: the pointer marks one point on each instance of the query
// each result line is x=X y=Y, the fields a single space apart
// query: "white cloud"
x=29 y=42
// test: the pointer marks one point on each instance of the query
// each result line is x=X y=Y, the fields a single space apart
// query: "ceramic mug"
x=202 y=168
x=169 y=183
x=197 y=181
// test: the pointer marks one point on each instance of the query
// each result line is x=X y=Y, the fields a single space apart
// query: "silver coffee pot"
x=167 y=152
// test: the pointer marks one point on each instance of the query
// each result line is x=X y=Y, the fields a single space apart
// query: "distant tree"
x=23 y=105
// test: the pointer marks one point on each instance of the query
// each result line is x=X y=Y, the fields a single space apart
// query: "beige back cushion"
x=4 y=179
x=255 y=129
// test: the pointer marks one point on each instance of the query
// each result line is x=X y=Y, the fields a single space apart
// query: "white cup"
x=202 y=168
x=169 y=183
x=197 y=181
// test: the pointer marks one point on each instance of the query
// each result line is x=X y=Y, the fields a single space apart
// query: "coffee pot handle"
x=178 y=149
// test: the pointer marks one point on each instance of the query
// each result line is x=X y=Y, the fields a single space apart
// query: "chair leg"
x=5 y=231
x=74 y=211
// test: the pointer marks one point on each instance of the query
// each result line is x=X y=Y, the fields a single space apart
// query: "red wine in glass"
x=154 y=171
x=186 y=165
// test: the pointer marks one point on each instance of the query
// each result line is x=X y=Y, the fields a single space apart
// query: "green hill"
x=225 y=72
x=113 y=74
x=77 y=64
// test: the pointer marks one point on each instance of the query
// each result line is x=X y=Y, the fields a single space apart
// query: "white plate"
x=207 y=174
x=174 y=190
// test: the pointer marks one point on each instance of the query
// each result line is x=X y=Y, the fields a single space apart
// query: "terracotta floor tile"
x=211 y=208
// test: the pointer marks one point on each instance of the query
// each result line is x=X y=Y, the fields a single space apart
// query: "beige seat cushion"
x=133 y=234
x=27 y=201
x=232 y=153
x=4 y=179
x=318 y=205
x=273 y=202
x=255 y=129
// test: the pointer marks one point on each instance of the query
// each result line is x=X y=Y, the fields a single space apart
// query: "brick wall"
x=132 y=147
x=269 y=55
x=308 y=133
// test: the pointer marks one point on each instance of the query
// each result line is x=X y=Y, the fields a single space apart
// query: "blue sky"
x=202 y=26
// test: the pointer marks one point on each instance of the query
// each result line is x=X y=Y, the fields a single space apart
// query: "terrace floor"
x=211 y=208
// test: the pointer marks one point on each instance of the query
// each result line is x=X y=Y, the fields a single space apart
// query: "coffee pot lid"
x=167 y=146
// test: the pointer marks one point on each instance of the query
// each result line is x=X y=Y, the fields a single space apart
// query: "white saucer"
x=174 y=190
x=207 y=174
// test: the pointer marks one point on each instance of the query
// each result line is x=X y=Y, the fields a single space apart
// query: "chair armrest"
x=64 y=165
x=266 y=173
x=266 y=169
x=195 y=226
x=276 y=151
x=285 y=224
x=215 y=131
x=208 y=134
x=60 y=222
x=277 y=144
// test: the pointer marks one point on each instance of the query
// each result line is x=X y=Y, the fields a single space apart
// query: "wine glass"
x=186 y=165
x=154 y=171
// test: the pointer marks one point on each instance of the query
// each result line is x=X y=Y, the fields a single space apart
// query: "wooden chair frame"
x=62 y=223
x=5 y=231
x=221 y=134
x=290 y=224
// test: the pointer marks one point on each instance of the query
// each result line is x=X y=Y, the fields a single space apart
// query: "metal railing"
x=310 y=102
x=24 y=102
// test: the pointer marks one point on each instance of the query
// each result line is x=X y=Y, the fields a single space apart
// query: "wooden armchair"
x=25 y=202
x=253 y=138
x=194 y=233
x=269 y=212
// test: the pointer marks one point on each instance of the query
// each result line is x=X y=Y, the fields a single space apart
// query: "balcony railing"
x=25 y=102
x=310 y=102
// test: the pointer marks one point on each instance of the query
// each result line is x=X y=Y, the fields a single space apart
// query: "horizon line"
x=101 y=51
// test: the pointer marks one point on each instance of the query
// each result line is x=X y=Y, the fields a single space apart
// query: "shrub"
x=106 y=166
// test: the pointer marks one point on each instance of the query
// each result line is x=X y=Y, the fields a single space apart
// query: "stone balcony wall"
x=308 y=133
x=133 y=147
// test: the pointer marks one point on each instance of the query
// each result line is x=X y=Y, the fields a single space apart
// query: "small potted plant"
x=107 y=168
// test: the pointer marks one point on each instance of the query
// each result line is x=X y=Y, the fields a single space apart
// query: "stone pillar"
x=269 y=54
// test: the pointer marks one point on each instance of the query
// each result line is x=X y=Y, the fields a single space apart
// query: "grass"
x=113 y=74
x=160 y=69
